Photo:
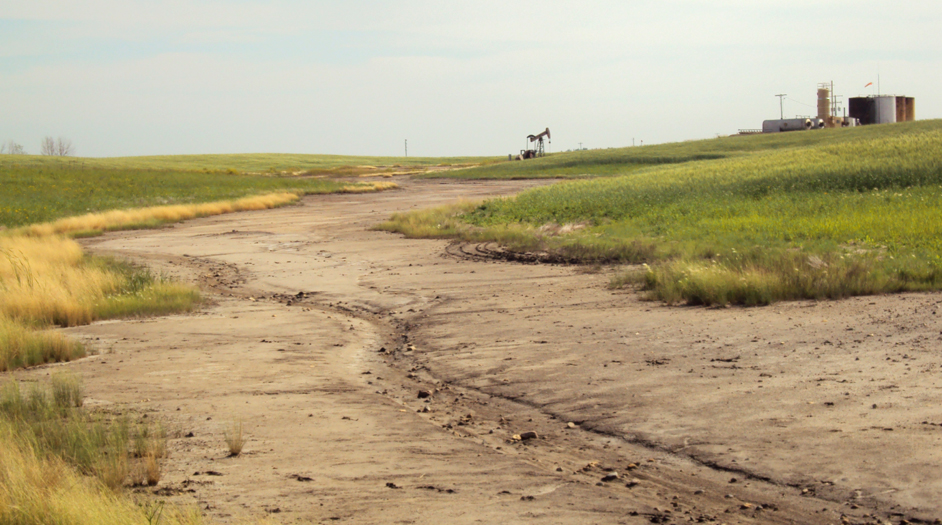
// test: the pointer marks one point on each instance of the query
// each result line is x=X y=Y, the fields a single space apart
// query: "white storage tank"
x=788 y=124
x=885 y=110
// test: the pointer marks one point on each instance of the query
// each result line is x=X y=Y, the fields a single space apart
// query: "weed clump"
x=60 y=463
x=235 y=438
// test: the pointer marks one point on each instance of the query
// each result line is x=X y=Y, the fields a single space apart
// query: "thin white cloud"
x=135 y=77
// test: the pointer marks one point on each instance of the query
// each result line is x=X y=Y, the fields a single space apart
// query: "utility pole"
x=580 y=146
x=781 y=105
x=407 y=147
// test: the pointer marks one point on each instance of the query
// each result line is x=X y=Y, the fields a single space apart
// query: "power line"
x=802 y=103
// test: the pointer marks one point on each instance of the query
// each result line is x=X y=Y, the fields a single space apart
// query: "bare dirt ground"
x=321 y=335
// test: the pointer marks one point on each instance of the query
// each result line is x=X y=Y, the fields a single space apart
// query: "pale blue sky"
x=131 y=77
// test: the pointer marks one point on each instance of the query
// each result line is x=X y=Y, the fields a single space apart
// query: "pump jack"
x=538 y=151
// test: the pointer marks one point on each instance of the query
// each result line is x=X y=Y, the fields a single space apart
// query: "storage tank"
x=788 y=124
x=862 y=109
x=824 y=102
x=905 y=109
x=884 y=110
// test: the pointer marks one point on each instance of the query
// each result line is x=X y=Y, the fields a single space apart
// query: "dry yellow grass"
x=43 y=280
x=48 y=281
x=369 y=187
x=155 y=215
x=235 y=438
x=117 y=219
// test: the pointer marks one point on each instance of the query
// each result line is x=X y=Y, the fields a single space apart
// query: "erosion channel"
x=320 y=335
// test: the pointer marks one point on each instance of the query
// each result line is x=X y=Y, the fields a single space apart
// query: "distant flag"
x=869 y=84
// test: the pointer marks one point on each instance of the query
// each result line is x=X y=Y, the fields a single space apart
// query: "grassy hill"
x=747 y=220
x=621 y=161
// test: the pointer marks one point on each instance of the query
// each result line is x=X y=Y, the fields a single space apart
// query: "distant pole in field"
x=407 y=147
x=781 y=105
x=580 y=146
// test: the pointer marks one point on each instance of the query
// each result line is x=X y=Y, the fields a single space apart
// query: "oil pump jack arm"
x=534 y=138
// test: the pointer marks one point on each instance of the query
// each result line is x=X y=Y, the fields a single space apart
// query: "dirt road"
x=323 y=335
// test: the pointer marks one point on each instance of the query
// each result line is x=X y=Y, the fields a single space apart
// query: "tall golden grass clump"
x=47 y=281
x=155 y=215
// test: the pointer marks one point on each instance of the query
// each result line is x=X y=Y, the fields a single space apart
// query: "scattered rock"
x=733 y=480
x=392 y=485
x=524 y=436
x=633 y=482
x=611 y=477
x=571 y=425
x=527 y=498
x=432 y=487
x=300 y=478
x=424 y=394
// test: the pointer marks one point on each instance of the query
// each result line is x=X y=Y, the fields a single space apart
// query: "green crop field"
x=249 y=162
x=800 y=215
x=35 y=194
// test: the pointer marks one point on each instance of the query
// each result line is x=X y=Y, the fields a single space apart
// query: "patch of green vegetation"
x=34 y=194
x=141 y=292
x=232 y=163
x=856 y=212
x=23 y=346
x=623 y=161
x=65 y=464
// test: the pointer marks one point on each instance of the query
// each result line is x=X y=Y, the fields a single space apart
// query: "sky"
x=358 y=77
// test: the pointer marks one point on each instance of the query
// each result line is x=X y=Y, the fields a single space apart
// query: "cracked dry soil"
x=321 y=334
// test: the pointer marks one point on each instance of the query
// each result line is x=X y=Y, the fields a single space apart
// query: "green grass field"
x=45 y=193
x=241 y=163
x=622 y=161
x=799 y=215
